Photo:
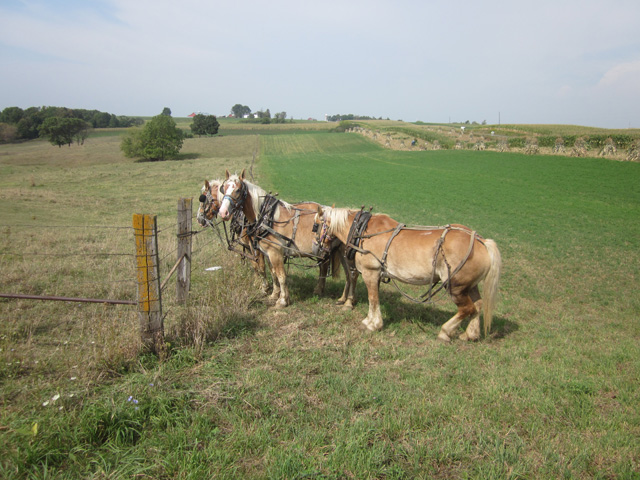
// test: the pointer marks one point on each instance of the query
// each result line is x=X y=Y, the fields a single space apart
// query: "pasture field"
x=248 y=391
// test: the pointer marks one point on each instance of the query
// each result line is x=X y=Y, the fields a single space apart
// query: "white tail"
x=490 y=287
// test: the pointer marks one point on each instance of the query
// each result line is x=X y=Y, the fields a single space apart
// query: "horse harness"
x=263 y=227
x=357 y=235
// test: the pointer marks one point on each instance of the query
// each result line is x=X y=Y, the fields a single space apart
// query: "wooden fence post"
x=183 y=284
x=149 y=293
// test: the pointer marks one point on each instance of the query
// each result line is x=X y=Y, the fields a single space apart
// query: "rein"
x=263 y=227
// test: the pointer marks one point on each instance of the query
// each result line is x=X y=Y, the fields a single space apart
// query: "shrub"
x=159 y=139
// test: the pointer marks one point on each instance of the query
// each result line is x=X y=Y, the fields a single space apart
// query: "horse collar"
x=358 y=227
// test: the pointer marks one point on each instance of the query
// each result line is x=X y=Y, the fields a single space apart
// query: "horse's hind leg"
x=473 y=329
x=466 y=308
x=260 y=268
x=348 y=298
x=350 y=290
x=372 y=280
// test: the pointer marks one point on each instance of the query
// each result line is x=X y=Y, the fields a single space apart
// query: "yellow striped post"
x=149 y=293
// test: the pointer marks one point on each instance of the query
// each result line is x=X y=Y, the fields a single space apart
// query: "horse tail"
x=490 y=287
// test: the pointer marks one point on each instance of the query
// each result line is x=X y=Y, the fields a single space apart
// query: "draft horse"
x=210 y=200
x=455 y=255
x=279 y=230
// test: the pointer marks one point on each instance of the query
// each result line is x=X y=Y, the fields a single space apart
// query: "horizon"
x=435 y=62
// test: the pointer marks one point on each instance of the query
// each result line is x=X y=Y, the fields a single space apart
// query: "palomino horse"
x=210 y=201
x=279 y=230
x=453 y=255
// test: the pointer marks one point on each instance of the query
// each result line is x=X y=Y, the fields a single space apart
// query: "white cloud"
x=626 y=74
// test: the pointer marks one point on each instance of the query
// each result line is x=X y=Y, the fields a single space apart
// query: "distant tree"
x=280 y=117
x=101 y=120
x=159 y=139
x=239 y=111
x=81 y=135
x=205 y=125
x=265 y=117
x=166 y=111
x=63 y=130
x=11 y=115
x=29 y=124
x=8 y=133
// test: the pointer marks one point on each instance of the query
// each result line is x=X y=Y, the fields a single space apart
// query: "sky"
x=526 y=62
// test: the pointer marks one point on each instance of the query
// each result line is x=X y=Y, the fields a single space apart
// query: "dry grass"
x=249 y=391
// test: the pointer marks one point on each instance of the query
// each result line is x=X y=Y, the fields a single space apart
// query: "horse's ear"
x=333 y=206
x=242 y=174
x=320 y=211
x=206 y=185
x=227 y=174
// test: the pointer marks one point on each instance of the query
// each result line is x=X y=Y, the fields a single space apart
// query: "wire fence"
x=85 y=261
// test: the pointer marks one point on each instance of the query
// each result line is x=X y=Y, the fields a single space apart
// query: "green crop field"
x=244 y=390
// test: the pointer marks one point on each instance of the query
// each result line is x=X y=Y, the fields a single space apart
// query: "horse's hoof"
x=443 y=337
x=464 y=336
x=280 y=304
x=347 y=307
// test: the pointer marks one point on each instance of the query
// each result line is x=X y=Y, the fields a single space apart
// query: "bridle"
x=322 y=242
x=235 y=203
x=210 y=206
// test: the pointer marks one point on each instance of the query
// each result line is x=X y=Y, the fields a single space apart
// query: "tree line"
x=349 y=116
x=262 y=116
x=60 y=124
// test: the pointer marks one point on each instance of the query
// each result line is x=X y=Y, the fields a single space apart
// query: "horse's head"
x=322 y=243
x=233 y=193
x=209 y=202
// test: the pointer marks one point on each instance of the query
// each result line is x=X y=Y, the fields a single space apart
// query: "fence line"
x=149 y=290
x=68 y=299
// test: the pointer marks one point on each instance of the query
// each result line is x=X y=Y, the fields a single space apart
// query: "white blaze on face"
x=224 y=206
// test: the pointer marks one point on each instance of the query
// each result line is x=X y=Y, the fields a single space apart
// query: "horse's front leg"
x=348 y=299
x=280 y=276
x=322 y=278
x=260 y=268
x=371 y=279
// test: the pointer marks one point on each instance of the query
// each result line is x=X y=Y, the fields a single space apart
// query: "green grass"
x=246 y=391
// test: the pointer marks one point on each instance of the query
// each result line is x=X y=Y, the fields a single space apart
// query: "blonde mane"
x=257 y=197
x=338 y=218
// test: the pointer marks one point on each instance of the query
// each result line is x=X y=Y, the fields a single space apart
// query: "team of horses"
x=267 y=230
